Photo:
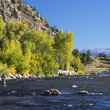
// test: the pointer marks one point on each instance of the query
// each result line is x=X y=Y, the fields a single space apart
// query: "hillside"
x=98 y=65
x=29 y=46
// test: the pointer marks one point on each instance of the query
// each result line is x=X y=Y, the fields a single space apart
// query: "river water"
x=97 y=97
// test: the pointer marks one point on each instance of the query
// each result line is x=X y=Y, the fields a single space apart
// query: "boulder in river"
x=51 y=92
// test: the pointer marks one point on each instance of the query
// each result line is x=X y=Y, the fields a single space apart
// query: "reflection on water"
x=96 y=96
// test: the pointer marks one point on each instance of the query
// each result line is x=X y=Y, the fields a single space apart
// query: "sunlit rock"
x=51 y=92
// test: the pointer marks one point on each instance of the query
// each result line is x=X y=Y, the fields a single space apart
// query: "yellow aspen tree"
x=68 y=49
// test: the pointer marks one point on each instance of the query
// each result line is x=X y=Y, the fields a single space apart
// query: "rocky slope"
x=18 y=10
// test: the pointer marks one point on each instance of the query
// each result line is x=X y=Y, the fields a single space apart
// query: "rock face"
x=19 y=10
x=10 y=9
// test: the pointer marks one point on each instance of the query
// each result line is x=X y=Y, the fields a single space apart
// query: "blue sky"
x=88 y=19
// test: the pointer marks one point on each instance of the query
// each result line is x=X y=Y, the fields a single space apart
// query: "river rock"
x=51 y=92
x=12 y=92
x=83 y=92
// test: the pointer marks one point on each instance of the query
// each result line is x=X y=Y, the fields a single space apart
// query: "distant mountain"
x=97 y=51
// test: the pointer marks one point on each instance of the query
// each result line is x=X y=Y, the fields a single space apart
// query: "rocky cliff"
x=19 y=10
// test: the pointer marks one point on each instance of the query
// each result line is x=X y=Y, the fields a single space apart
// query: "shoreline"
x=60 y=77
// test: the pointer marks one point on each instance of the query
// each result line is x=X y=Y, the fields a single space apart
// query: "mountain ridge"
x=97 y=51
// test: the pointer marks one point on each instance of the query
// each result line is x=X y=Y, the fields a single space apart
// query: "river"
x=97 y=87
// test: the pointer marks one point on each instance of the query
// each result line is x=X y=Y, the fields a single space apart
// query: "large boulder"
x=51 y=92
